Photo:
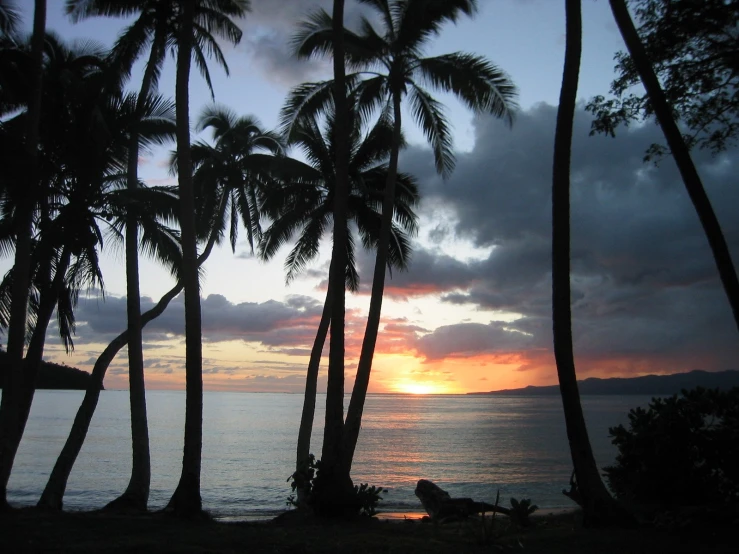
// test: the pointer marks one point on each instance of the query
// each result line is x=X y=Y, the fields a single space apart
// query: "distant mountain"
x=52 y=376
x=658 y=385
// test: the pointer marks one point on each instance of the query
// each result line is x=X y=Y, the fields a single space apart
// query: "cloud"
x=268 y=33
x=271 y=322
x=645 y=289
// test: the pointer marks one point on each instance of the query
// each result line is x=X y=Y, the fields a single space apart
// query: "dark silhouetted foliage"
x=52 y=376
x=682 y=451
x=363 y=500
x=694 y=50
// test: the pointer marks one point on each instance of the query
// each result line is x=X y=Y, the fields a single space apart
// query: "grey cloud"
x=268 y=31
x=469 y=339
x=270 y=322
x=644 y=284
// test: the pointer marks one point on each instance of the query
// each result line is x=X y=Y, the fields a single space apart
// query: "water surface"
x=470 y=445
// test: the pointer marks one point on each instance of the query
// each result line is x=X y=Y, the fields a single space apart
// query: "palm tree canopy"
x=229 y=173
x=84 y=144
x=391 y=65
x=157 y=23
x=303 y=204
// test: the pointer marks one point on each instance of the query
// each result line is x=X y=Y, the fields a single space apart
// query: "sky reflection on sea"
x=470 y=445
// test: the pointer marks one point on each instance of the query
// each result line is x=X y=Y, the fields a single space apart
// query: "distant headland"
x=658 y=385
x=53 y=376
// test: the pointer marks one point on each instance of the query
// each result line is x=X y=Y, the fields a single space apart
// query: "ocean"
x=472 y=446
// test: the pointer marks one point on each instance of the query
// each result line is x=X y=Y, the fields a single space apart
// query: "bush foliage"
x=682 y=451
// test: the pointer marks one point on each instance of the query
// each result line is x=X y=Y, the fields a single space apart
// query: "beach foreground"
x=29 y=530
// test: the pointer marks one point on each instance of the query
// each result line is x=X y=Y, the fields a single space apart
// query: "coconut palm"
x=681 y=155
x=396 y=71
x=238 y=165
x=84 y=148
x=10 y=407
x=587 y=488
x=213 y=203
x=155 y=26
x=304 y=206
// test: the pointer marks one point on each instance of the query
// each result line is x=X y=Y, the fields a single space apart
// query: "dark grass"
x=30 y=530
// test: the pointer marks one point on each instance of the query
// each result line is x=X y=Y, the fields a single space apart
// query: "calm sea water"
x=470 y=445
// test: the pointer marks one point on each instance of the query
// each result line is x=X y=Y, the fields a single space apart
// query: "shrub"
x=364 y=498
x=521 y=510
x=682 y=451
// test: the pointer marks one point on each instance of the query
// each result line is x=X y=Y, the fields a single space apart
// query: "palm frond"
x=314 y=37
x=305 y=100
x=428 y=113
x=481 y=85
x=418 y=20
x=202 y=65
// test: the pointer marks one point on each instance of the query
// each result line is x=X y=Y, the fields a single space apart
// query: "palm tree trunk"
x=599 y=508
x=309 y=403
x=681 y=154
x=53 y=495
x=10 y=403
x=186 y=500
x=359 y=393
x=331 y=491
x=35 y=353
x=136 y=496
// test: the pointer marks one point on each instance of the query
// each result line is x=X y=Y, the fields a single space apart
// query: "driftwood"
x=441 y=506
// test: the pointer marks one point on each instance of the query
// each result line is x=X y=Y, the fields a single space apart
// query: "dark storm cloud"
x=644 y=284
x=469 y=339
x=429 y=272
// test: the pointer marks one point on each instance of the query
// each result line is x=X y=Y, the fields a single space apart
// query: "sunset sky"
x=473 y=311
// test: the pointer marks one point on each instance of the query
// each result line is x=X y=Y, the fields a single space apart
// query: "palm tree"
x=212 y=223
x=588 y=490
x=304 y=206
x=681 y=155
x=10 y=406
x=84 y=147
x=155 y=25
x=398 y=68
x=186 y=499
x=238 y=166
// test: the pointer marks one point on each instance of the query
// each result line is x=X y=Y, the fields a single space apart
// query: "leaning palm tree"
x=213 y=201
x=304 y=206
x=587 y=488
x=681 y=155
x=156 y=26
x=396 y=70
x=10 y=405
x=84 y=147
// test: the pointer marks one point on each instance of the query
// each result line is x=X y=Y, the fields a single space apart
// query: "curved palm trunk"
x=332 y=491
x=186 y=500
x=136 y=495
x=599 y=508
x=681 y=154
x=10 y=403
x=309 y=402
x=53 y=495
x=359 y=393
